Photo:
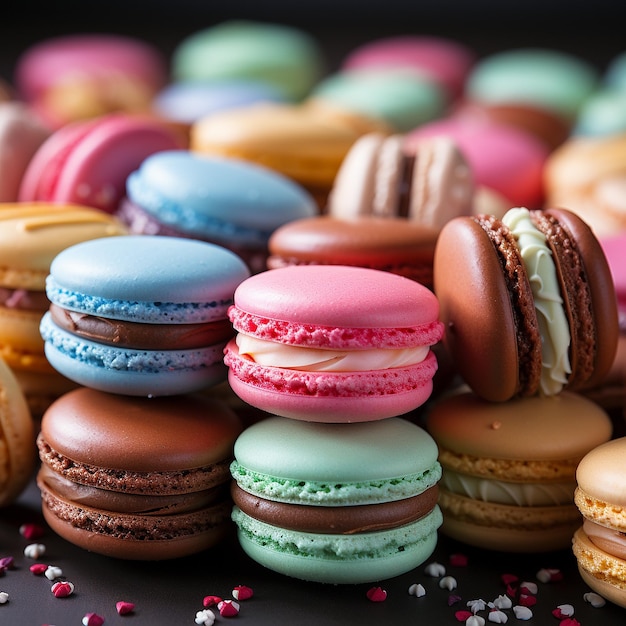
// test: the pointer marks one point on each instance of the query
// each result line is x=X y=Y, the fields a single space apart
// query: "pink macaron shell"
x=508 y=160
x=88 y=162
x=336 y=296
x=332 y=397
x=445 y=61
x=615 y=252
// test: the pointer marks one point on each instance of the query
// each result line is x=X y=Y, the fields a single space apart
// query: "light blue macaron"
x=144 y=280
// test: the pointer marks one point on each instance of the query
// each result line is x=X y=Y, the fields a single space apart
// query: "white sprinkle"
x=529 y=587
x=435 y=570
x=34 y=550
x=4 y=597
x=448 y=582
x=502 y=602
x=476 y=605
x=417 y=590
x=206 y=617
x=498 y=617
x=567 y=610
x=596 y=601
x=52 y=572
x=475 y=620
x=547 y=575
x=522 y=612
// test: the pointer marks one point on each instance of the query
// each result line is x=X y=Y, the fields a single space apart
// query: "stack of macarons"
x=135 y=460
x=335 y=485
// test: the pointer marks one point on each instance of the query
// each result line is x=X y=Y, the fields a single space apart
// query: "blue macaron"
x=139 y=315
x=227 y=201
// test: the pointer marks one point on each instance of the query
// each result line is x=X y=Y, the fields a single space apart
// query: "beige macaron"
x=509 y=467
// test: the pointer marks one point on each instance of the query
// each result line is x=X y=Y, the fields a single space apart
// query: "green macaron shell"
x=339 y=559
x=335 y=464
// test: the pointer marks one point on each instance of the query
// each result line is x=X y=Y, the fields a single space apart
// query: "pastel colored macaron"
x=547 y=78
x=598 y=544
x=379 y=176
x=31 y=235
x=529 y=308
x=137 y=478
x=17 y=436
x=285 y=57
x=615 y=73
x=21 y=134
x=336 y=503
x=305 y=142
x=445 y=61
x=403 y=247
x=88 y=162
x=227 y=201
x=333 y=343
x=505 y=159
x=141 y=316
x=83 y=76
x=400 y=98
x=509 y=469
x=602 y=114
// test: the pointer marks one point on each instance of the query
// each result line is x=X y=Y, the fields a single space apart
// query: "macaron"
x=305 y=142
x=141 y=316
x=285 y=57
x=509 y=469
x=336 y=503
x=31 y=235
x=333 y=343
x=230 y=202
x=21 y=134
x=87 y=162
x=379 y=176
x=137 y=478
x=598 y=544
x=505 y=159
x=527 y=302
x=84 y=76
x=400 y=246
x=17 y=437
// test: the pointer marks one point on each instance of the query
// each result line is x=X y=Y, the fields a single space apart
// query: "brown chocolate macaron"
x=527 y=301
x=137 y=478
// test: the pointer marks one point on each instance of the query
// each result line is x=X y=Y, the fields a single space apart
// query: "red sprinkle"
x=31 y=531
x=124 y=608
x=228 y=608
x=38 y=568
x=511 y=591
x=210 y=601
x=509 y=579
x=6 y=562
x=458 y=560
x=93 y=619
x=62 y=589
x=526 y=600
x=376 y=594
x=569 y=621
x=463 y=616
x=241 y=592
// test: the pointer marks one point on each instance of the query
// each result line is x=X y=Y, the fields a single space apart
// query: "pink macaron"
x=332 y=343
x=88 y=162
x=504 y=159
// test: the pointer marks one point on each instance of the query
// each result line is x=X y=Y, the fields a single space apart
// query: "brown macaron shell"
x=101 y=453
x=389 y=244
x=526 y=441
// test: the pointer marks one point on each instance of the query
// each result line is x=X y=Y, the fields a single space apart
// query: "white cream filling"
x=553 y=324
x=272 y=354
x=501 y=492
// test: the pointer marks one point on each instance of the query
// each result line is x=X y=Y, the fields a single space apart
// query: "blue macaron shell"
x=217 y=197
x=143 y=278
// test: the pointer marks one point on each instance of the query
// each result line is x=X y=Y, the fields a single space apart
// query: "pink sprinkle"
x=241 y=592
x=93 y=619
x=525 y=600
x=228 y=608
x=509 y=579
x=124 y=608
x=569 y=621
x=38 y=568
x=376 y=594
x=210 y=601
x=453 y=599
x=458 y=560
x=31 y=531
x=62 y=589
x=463 y=616
x=6 y=562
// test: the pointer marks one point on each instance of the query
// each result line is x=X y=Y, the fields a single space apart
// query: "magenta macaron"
x=333 y=343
